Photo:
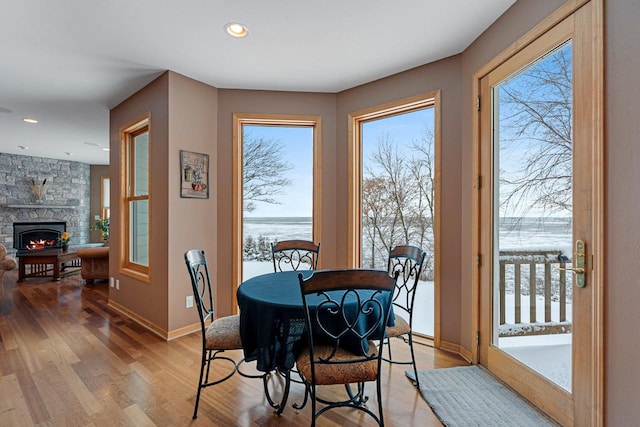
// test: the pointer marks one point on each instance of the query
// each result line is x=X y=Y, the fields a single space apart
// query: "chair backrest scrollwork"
x=294 y=255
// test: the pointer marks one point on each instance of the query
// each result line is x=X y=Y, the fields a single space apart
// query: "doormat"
x=469 y=396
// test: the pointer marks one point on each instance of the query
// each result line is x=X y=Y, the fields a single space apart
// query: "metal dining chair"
x=295 y=255
x=407 y=262
x=345 y=346
x=218 y=334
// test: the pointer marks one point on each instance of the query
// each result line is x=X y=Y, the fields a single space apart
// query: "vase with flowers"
x=64 y=241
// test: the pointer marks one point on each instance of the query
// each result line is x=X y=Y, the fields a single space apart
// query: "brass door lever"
x=579 y=262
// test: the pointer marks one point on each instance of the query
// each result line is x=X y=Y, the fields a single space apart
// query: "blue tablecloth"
x=272 y=325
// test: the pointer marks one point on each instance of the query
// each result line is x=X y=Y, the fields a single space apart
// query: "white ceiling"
x=67 y=62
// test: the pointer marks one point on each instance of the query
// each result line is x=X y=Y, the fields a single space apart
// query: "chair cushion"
x=224 y=334
x=342 y=373
x=401 y=327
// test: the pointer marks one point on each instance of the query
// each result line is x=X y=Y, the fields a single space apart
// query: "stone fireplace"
x=34 y=236
x=66 y=199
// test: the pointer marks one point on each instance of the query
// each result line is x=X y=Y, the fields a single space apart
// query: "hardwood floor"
x=66 y=359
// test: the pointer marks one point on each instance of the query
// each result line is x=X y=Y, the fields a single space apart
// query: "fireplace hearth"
x=35 y=236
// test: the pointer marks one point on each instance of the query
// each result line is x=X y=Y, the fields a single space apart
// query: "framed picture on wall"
x=194 y=175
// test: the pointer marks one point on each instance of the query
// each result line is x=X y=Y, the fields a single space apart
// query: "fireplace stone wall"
x=66 y=197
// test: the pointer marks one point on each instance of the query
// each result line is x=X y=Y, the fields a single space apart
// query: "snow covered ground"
x=550 y=355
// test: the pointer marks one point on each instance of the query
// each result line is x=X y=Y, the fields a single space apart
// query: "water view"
x=553 y=233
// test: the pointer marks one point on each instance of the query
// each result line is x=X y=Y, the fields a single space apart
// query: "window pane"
x=141 y=165
x=533 y=238
x=106 y=206
x=139 y=232
x=398 y=197
x=277 y=191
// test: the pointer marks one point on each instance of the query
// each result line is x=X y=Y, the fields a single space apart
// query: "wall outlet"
x=190 y=301
x=118 y=284
x=111 y=283
x=96 y=217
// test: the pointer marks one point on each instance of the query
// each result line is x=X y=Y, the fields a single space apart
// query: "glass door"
x=533 y=205
x=538 y=215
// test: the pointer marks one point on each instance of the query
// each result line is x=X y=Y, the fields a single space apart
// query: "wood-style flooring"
x=66 y=359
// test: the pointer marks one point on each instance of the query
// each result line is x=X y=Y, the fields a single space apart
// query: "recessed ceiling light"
x=106 y=149
x=93 y=144
x=68 y=153
x=237 y=30
x=29 y=120
x=23 y=147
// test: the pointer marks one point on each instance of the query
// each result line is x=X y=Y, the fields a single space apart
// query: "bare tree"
x=422 y=166
x=398 y=199
x=536 y=123
x=376 y=208
x=263 y=171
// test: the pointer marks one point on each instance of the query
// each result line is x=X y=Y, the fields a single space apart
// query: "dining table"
x=272 y=322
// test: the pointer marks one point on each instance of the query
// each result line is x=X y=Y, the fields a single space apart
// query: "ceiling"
x=67 y=62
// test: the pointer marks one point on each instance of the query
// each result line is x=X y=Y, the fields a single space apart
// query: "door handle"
x=579 y=269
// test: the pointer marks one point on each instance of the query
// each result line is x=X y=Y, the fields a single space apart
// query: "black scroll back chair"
x=336 y=319
x=292 y=255
x=295 y=255
x=218 y=334
x=406 y=261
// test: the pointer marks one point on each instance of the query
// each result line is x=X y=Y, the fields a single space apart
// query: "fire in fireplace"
x=33 y=236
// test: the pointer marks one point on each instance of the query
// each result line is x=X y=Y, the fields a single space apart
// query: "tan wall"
x=442 y=75
x=269 y=102
x=97 y=172
x=515 y=22
x=147 y=300
x=622 y=157
x=183 y=117
x=192 y=222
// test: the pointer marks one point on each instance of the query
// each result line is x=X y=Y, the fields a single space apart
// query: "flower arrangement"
x=64 y=239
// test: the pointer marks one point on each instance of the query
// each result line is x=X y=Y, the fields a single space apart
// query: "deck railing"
x=518 y=270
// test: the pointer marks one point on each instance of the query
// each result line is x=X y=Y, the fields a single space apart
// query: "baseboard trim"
x=152 y=327
x=466 y=355
x=185 y=330
x=449 y=346
x=162 y=333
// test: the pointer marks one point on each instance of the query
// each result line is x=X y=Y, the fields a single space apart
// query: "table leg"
x=21 y=270
x=279 y=407
x=56 y=270
x=285 y=395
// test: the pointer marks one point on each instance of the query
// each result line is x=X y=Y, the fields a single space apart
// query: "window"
x=394 y=195
x=136 y=200
x=276 y=196
x=105 y=206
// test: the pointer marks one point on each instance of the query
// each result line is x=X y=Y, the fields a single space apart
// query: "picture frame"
x=194 y=175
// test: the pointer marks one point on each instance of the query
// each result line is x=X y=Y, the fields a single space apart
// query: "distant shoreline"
x=277 y=219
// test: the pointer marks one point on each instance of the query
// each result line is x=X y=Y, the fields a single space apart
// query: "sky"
x=514 y=150
x=403 y=129
x=297 y=142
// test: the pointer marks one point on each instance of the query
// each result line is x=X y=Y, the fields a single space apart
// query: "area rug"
x=469 y=396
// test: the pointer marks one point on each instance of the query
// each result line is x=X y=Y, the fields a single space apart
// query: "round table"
x=272 y=319
x=272 y=324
